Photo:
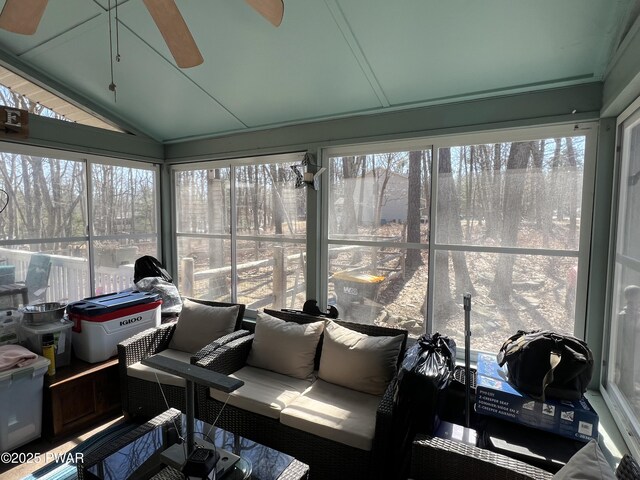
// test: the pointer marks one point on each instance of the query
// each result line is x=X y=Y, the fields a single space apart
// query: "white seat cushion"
x=264 y=392
x=336 y=413
x=137 y=370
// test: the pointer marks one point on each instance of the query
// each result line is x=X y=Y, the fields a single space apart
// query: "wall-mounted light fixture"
x=310 y=179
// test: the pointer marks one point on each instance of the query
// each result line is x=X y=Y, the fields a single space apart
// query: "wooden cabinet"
x=79 y=396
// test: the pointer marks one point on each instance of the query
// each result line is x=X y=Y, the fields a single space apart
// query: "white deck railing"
x=69 y=276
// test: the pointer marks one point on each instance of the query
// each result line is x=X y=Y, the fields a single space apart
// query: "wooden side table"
x=79 y=395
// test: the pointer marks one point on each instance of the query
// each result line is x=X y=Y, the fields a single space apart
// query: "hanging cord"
x=6 y=203
x=168 y=407
x=117 y=35
x=204 y=435
x=112 y=85
x=218 y=416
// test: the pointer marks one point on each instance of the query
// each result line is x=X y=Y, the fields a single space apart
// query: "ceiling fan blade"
x=22 y=16
x=272 y=10
x=175 y=32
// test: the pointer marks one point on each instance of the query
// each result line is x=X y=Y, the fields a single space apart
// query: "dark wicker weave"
x=295 y=471
x=326 y=458
x=141 y=398
x=628 y=469
x=167 y=419
x=438 y=458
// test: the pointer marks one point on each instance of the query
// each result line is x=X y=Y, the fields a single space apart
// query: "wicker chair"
x=628 y=469
x=438 y=458
x=142 y=398
x=326 y=458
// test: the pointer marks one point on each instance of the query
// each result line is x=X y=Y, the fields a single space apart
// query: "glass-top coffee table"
x=138 y=454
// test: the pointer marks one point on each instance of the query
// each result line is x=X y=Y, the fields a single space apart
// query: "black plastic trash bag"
x=420 y=392
x=148 y=266
x=426 y=372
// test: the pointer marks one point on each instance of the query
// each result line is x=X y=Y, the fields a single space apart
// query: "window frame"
x=628 y=426
x=88 y=160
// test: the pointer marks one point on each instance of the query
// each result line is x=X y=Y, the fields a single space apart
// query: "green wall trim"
x=73 y=137
x=600 y=232
x=576 y=103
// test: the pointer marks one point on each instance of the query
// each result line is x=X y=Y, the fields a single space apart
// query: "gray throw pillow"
x=358 y=361
x=587 y=464
x=199 y=325
x=285 y=347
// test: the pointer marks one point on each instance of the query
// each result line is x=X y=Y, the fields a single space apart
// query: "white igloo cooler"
x=100 y=323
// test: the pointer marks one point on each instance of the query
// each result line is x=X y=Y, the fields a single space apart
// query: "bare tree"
x=349 y=175
x=512 y=211
x=413 y=257
x=573 y=191
x=449 y=229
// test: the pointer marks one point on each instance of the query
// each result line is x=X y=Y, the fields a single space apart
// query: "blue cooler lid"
x=111 y=302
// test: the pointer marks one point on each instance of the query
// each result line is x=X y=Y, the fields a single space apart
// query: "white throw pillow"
x=199 y=325
x=361 y=362
x=587 y=464
x=288 y=348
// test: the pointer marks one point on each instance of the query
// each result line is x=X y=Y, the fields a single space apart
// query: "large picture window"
x=378 y=234
x=241 y=232
x=50 y=202
x=124 y=224
x=507 y=230
x=503 y=216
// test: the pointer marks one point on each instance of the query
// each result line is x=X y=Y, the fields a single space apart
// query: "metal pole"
x=467 y=358
x=190 y=413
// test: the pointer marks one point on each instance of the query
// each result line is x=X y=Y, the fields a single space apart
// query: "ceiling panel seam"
x=354 y=45
x=62 y=37
x=445 y=100
x=182 y=72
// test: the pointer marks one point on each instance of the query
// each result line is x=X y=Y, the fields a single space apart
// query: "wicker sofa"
x=143 y=398
x=326 y=457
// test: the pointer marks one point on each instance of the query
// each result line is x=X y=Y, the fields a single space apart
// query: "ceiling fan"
x=23 y=16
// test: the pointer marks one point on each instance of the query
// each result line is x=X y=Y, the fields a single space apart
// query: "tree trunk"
x=450 y=230
x=349 y=175
x=573 y=192
x=512 y=211
x=215 y=194
x=555 y=173
x=413 y=256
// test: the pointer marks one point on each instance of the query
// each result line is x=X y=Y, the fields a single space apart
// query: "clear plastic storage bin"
x=31 y=337
x=21 y=400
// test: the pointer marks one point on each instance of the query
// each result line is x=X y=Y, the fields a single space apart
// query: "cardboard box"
x=496 y=397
